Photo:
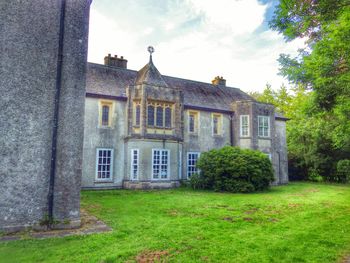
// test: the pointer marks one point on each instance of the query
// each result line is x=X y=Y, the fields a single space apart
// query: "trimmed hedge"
x=234 y=170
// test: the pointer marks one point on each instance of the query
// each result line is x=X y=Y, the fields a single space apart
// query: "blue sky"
x=193 y=39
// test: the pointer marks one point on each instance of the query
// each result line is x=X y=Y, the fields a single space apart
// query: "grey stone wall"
x=281 y=151
x=145 y=179
x=274 y=145
x=29 y=33
x=203 y=140
x=104 y=137
x=117 y=138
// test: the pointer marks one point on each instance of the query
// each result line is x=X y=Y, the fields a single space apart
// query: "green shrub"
x=314 y=175
x=343 y=171
x=195 y=181
x=234 y=170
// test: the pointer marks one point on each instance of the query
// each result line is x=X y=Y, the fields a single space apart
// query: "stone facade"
x=43 y=51
x=141 y=145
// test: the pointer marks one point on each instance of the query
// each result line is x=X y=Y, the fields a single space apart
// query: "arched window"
x=159 y=116
x=150 y=115
x=105 y=115
x=168 y=117
x=137 y=114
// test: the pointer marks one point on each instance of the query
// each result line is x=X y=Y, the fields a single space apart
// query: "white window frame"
x=111 y=165
x=188 y=166
x=160 y=159
x=241 y=125
x=132 y=164
x=268 y=126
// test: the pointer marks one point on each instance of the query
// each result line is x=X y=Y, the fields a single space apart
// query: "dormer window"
x=159 y=114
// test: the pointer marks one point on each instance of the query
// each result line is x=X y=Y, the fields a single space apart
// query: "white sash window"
x=134 y=164
x=160 y=161
x=192 y=158
x=104 y=164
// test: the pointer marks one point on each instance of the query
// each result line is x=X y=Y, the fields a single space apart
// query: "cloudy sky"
x=193 y=39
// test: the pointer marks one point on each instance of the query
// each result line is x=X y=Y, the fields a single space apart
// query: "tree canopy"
x=324 y=66
x=319 y=102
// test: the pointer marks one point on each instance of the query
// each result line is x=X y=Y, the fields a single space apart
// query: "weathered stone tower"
x=43 y=54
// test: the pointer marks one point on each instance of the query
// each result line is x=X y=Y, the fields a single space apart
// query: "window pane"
x=160 y=116
x=104 y=165
x=150 y=115
x=191 y=122
x=134 y=164
x=245 y=120
x=191 y=163
x=215 y=125
x=244 y=125
x=105 y=115
x=137 y=115
x=168 y=117
x=264 y=126
x=160 y=164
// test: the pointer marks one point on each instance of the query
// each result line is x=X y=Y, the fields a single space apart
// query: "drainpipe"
x=279 y=167
x=231 y=128
x=56 y=110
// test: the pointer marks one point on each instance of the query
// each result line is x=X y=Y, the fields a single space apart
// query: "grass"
x=301 y=222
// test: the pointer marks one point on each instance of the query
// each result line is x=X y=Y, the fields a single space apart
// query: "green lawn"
x=301 y=222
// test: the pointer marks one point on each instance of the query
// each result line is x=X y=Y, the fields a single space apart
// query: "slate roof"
x=112 y=81
x=149 y=74
x=279 y=116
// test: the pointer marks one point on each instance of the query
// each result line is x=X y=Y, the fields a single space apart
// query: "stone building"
x=141 y=130
x=146 y=130
x=43 y=52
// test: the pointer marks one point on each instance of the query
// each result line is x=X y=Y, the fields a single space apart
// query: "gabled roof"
x=112 y=81
x=150 y=75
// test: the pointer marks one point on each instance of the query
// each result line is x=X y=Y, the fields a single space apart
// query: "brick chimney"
x=115 y=61
x=219 y=81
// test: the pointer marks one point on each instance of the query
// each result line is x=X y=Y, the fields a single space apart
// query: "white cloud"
x=242 y=17
x=193 y=39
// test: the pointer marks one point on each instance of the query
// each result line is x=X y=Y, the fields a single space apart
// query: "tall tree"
x=322 y=135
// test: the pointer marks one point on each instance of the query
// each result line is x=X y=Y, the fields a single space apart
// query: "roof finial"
x=150 y=50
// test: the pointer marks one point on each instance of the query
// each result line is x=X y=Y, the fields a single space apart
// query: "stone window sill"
x=264 y=138
x=160 y=128
x=103 y=181
x=105 y=127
